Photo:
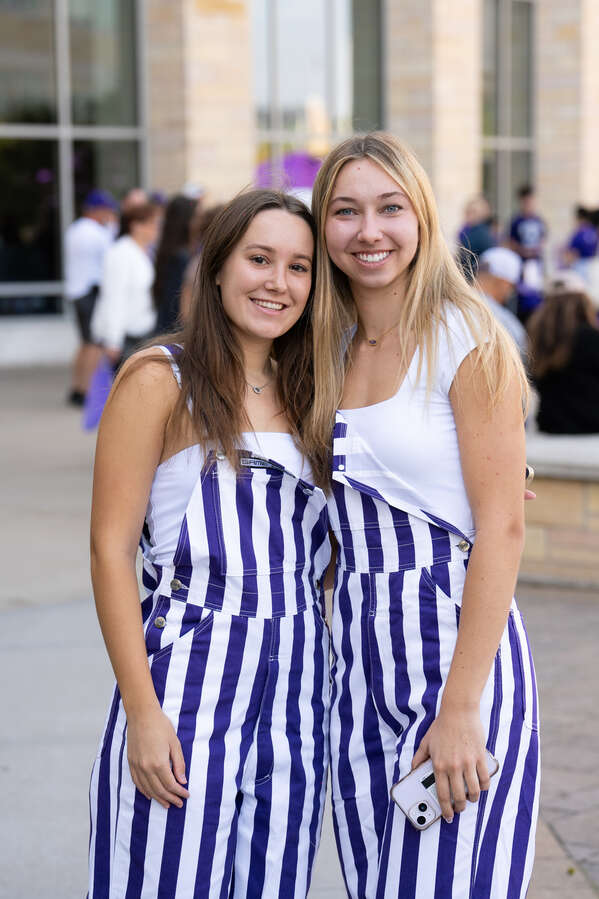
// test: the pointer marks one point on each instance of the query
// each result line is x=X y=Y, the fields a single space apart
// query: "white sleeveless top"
x=415 y=436
x=176 y=477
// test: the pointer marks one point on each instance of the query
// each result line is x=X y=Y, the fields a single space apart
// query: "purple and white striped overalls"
x=238 y=652
x=396 y=609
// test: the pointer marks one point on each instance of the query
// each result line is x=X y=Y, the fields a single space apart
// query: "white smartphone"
x=416 y=793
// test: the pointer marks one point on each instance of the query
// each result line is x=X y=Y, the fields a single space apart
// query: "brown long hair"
x=553 y=326
x=174 y=238
x=213 y=384
x=434 y=281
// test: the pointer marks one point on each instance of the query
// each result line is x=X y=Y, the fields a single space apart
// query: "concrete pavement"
x=57 y=679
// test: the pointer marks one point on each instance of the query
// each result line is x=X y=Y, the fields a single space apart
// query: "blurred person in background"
x=87 y=240
x=476 y=235
x=526 y=237
x=564 y=352
x=199 y=228
x=498 y=275
x=125 y=316
x=527 y=229
x=582 y=246
x=172 y=258
x=135 y=196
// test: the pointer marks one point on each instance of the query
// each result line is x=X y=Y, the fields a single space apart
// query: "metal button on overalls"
x=176 y=584
x=464 y=546
x=160 y=622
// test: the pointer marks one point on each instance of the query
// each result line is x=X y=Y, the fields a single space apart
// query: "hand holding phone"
x=416 y=793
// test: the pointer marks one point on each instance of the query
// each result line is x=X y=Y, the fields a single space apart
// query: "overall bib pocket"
x=247 y=511
x=171 y=620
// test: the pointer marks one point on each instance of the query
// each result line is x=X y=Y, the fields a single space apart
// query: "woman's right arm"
x=129 y=448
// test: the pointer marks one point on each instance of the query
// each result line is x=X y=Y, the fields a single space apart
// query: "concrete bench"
x=562 y=524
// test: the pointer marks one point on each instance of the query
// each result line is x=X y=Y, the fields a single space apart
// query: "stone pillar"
x=200 y=96
x=165 y=94
x=433 y=94
x=567 y=124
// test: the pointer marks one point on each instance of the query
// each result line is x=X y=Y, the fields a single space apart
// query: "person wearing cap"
x=86 y=241
x=564 y=350
x=498 y=274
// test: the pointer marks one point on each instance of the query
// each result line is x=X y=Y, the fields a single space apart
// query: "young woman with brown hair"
x=564 y=358
x=430 y=654
x=210 y=776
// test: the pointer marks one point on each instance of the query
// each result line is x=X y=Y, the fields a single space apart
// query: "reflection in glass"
x=490 y=66
x=490 y=177
x=29 y=221
x=301 y=62
x=367 y=54
x=521 y=171
x=102 y=38
x=108 y=165
x=522 y=67
x=262 y=61
x=304 y=57
x=27 y=63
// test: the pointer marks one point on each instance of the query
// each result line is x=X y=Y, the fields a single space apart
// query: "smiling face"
x=371 y=228
x=265 y=281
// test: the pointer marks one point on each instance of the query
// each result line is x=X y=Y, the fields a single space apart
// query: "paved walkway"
x=57 y=679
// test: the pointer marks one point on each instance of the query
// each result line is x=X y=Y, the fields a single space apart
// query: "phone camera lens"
x=421 y=820
x=422 y=807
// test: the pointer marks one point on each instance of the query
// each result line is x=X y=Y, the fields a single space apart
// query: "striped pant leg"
x=362 y=746
x=209 y=683
x=487 y=851
x=284 y=783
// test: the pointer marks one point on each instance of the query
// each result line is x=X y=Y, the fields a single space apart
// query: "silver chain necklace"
x=256 y=388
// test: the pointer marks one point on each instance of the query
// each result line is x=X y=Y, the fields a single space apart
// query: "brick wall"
x=200 y=96
x=433 y=94
x=567 y=94
x=165 y=88
x=562 y=532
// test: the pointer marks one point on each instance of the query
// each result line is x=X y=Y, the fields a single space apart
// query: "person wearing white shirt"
x=125 y=315
x=86 y=241
x=498 y=274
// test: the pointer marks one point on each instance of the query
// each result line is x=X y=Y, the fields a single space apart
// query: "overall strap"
x=171 y=351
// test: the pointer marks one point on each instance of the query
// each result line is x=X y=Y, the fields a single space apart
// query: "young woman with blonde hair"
x=430 y=654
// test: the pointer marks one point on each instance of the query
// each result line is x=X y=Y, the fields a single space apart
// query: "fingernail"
x=449 y=820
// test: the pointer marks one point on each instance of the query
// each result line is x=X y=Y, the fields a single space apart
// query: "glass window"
x=102 y=42
x=107 y=164
x=29 y=220
x=317 y=76
x=490 y=48
x=490 y=178
x=367 y=54
x=301 y=62
x=522 y=67
x=521 y=171
x=29 y=237
x=27 y=61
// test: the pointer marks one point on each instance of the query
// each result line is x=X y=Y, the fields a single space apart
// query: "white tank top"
x=414 y=435
x=176 y=477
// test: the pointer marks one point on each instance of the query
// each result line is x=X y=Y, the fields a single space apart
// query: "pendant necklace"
x=374 y=341
x=255 y=387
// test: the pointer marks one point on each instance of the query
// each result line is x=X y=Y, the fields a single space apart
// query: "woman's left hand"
x=455 y=742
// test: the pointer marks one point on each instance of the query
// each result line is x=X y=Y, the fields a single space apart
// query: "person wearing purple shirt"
x=526 y=235
x=527 y=228
x=582 y=246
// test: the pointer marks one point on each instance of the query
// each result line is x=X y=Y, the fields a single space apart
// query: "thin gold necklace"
x=374 y=341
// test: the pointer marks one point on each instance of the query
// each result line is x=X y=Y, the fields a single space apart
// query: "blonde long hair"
x=434 y=281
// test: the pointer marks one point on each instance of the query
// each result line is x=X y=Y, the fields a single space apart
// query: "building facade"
x=222 y=93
